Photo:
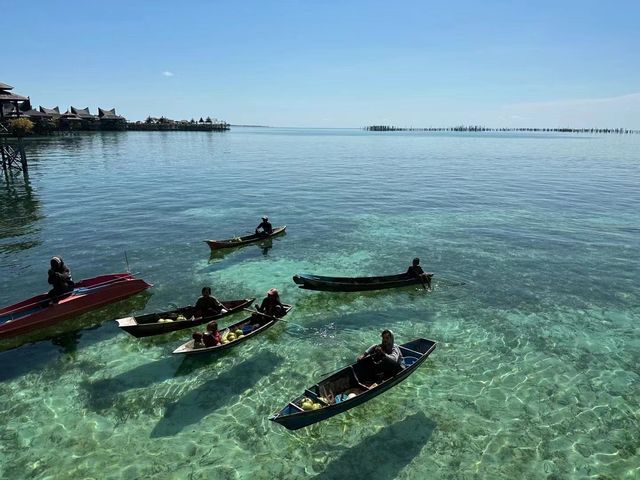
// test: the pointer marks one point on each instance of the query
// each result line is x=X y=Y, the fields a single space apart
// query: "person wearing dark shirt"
x=271 y=304
x=60 y=278
x=208 y=305
x=386 y=356
x=264 y=229
x=197 y=340
x=416 y=270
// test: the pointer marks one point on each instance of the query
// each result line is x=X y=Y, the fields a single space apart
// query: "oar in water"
x=267 y=316
x=260 y=313
x=277 y=319
x=421 y=278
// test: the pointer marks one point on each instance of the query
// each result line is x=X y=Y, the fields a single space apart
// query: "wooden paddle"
x=277 y=319
x=260 y=313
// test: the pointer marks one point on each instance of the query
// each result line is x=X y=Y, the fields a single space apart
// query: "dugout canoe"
x=150 y=324
x=349 y=387
x=265 y=322
x=355 y=284
x=239 y=241
x=39 y=311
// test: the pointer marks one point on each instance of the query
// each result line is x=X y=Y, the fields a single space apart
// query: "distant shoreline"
x=387 y=128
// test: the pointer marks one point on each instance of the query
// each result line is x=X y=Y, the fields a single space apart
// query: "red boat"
x=38 y=312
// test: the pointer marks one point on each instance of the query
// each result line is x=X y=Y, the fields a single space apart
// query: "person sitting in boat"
x=264 y=229
x=386 y=356
x=208 y=305
x=197 y=340
x=212 y=336
x=271 y=304
x=60 y=278
x=416 y=270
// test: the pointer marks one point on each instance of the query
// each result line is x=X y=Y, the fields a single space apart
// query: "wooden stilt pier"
x=13 y=156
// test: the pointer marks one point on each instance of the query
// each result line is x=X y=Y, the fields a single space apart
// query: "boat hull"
x=135 y=327
x=37 y=312
x=246 y=240
x=291 y=419
x=355 y=284
x=187 y=348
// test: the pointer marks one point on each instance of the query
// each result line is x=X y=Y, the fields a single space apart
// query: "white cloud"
x=167 y=74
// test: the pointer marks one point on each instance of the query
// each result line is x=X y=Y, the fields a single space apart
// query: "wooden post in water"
x=14 y=157
x=4 y=160
x=23 y=157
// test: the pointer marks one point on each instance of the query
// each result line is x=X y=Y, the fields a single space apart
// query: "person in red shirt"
x=212 y=336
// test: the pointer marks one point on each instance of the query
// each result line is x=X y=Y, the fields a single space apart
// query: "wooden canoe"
x=39 y=312
x=355 y=284
x=358 y=379
x=239 y=241
x=149 y=324
x=265 y=321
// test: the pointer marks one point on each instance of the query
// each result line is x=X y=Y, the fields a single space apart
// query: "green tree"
x=20 y=127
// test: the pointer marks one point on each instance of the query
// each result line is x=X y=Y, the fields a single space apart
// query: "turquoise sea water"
x=536 y=372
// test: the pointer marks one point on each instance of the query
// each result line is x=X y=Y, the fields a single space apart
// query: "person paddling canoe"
x=416 y=270
x=265 y=228
x=271 y=304
x=207 y=304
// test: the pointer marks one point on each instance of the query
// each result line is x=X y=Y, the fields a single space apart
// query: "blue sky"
x=329 y=63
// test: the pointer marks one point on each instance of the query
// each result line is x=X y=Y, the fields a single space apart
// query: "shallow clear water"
x=536 y=372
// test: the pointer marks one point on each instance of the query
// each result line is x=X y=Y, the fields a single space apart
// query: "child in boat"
x=212 y=336
x=197 y=340
x=208 y=305
x=271 y=305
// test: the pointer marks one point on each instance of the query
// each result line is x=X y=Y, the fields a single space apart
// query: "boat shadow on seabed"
x=216 y=392
x=401 y=443
x=103 y=393
x=36 y=350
